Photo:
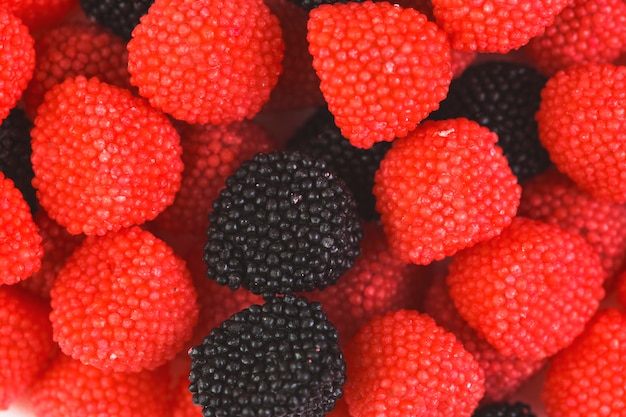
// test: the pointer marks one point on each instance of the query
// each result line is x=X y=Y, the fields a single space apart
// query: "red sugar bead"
x=124 y=302
x=383 y=68
x=443 y=188
x=587 y=378
x=26 y=343
x=20 y=242
x=582 y=124
x=206 y=61
x=103 y=158
x=403 y=365
x=529 y=291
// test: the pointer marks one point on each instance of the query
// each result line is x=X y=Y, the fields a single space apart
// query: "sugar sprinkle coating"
x=443 y=188
x=529 y=291
x=582 y=124
x=383 y=68
x=103 y=158
x=123 y=301
x=281 y=358
x=406 y=365
x=504 y=409
x=207 y=61
x=119 y=16
x=284 y=223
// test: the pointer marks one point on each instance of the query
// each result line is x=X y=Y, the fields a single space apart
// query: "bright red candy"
x=383 y=68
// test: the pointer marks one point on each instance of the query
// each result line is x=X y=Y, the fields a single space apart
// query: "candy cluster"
x=308 y=208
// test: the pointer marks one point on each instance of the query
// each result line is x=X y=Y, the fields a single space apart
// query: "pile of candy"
x=289 y=208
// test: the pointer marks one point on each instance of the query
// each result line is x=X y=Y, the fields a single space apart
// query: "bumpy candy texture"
x=320 y=138
x=103 y=158
x=554 y=198
x=494 y=26
x=17 y=60
x=443 y=188
x=284 y=223
x=20 y=243
x=206 y=61
x=582 y=124
x=281 y=358
x=587 y=378
x=119 y=16
x=73 y=49
x=403 y=365
x=529 y=291
x=26 y=343
x=123 y=302
x=383 y=68
x=503 y=96
x=38 y=14
x=71 y=388
x=586 y=31
x=504 y=409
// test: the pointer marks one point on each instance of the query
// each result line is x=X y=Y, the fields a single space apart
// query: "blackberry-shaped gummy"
x=15 y=154
x=284 y=223
x=281 y=358
x=503 y=96
x=321 y=138
x=119 y=16
x=504 y=409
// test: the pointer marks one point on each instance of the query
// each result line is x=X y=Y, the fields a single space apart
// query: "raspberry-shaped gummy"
x=383 y=68
x=443 y=188
x=587 y=377
x=494 y=26
x=76 y=49
x=20 y=242
x=103 y=158
x=504 y=409
x=408 y=366
x=120 y=17
x=71 y=388
x=586 y=31
x=284 y=223
x=206 y=61
x=38 y=14
x=529 y=291
x=17 y=60
x=281 y=358
x=321 y=138
x=123 y=301
x=583 y=126
x=504 y=97
x=26 y=343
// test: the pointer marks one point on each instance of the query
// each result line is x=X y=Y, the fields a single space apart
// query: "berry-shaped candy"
x=554 y=198
x=284 y=223
x=583 y=126
x=587 y=377
x=210 y=155
x=123 y=301
x=73 y=49
x=408 y=366
x=503 y=96
x=26 y=343
x=500 y=26
x=206 y=61
x=17 y=60
x=586 y=31
x=103 y=158
x=71 y=388
x=281 y=358
x=119 y=16
x=504 y=409
x=383 y=68
x=38 y=14
x=20 y=242
x=15 y=154
x=529 y=291
x=503 y=374
x=321 y=138
x=443 y=188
